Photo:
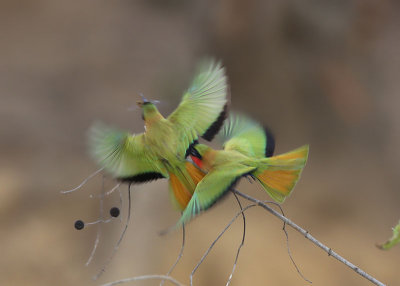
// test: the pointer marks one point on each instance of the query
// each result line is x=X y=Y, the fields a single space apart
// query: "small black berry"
x=79 y=225
x=114 y=212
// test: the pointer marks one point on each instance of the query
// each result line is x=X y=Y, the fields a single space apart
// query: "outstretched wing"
x=215 y=184
x=124 y=155
x=247 y=137
x=203 y=107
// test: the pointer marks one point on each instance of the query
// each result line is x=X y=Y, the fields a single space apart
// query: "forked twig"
x=165 y=277
x=311 y=238
x=241 y=212
x=287 y=221
x=120 y=238
x=215 y=241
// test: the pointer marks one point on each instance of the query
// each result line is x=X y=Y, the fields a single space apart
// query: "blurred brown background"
x=319 y=72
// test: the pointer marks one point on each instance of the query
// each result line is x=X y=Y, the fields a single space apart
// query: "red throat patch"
x=197 y=161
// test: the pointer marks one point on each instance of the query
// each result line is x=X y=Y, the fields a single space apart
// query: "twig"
x=145 y=277
x=215 y=241
x=179 y=255
x=311 y=238
x=101 y=202
x=120 y=238
x=165 y=277
x=241 y=244
x=287 y=244
x=120 y=201
x=264 y=205
x=241 y=212
x=83 y=182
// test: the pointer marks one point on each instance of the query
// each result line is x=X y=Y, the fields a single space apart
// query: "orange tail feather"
x=279 y=174
x=180 y=194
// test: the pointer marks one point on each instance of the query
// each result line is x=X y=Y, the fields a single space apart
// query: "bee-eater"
x=245 y=152
x=160 y=151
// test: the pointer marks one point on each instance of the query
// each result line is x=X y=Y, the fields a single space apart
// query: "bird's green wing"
x=124 y=155
x=248 y=137
x=215 y=184
x=203 y=107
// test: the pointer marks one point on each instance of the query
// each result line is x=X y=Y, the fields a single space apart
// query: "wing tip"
x=216 y=125
x=142 y=178
x=270 y=144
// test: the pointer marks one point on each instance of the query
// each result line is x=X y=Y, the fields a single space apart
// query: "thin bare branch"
x=287 y=244
x=242 y=242
x=179 y=255
x=145 y=277
x=215 y=241
x=120 y=238
x=101 y=217
x=113 y=189
x=287 y=221
x=83 y=182
x=311 y=238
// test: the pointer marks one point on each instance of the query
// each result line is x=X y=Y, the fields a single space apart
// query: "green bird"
x=161 y=150
x=246 y=152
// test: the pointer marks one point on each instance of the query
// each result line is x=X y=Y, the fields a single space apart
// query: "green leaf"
x=395 y=239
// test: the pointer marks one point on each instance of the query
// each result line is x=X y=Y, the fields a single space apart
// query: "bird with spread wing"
x=161 y=150
x=247 y=151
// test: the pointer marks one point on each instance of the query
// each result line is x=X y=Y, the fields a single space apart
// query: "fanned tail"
x=279 y=174
x=182 y=185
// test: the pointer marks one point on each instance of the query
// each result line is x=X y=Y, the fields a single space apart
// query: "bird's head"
x=197 y=152
x=149 y=109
